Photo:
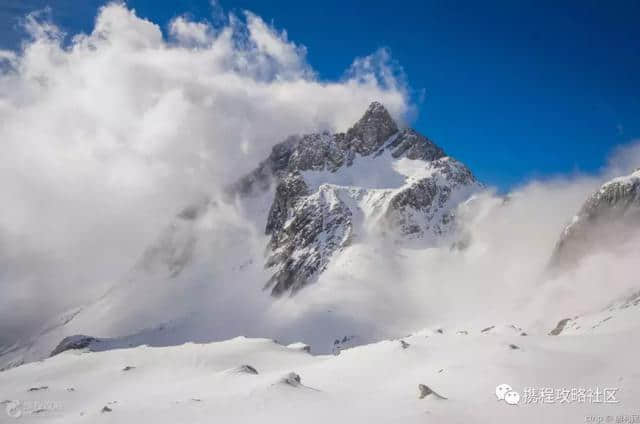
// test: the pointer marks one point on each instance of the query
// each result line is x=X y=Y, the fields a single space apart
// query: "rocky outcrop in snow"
x=606 y=220
x=74 y=343
x=425 y=391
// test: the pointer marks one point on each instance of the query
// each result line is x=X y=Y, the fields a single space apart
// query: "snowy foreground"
x=205 y=383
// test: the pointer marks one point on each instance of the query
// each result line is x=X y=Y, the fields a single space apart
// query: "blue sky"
x=515 y=89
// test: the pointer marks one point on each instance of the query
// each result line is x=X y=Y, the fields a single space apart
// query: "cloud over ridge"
x=106 y=135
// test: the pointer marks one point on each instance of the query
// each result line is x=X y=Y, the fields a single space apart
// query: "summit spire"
x=372 y=130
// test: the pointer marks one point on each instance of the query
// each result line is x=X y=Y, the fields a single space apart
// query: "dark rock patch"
x=425 y=391
x=559 y=327
x=73 y=343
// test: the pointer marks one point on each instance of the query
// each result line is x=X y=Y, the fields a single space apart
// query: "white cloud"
x=190 y=33
x=104 y=139
x=624 y=159
x=274 y=46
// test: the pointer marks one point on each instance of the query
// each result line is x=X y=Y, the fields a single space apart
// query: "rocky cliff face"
x=331 y=189
x=316 y=226
x=607 y=219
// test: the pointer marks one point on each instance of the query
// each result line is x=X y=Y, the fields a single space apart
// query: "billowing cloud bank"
x=106 y=135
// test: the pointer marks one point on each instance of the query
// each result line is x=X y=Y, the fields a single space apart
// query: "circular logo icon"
x=14 y=409
x=512 y=398
x=502 y=390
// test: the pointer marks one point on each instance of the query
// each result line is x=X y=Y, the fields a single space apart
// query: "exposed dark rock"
x=74 y=342
x=428 y=198
x=290 y=190
x=425 y=391
x=413 y=145
x=320 y=226
x=292 y=379
x=559 y=327
x=371 y=131
x=317 y=152
x=344 y=343
x=247 y=369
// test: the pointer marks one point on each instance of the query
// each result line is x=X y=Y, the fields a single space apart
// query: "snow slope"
x=203 y=383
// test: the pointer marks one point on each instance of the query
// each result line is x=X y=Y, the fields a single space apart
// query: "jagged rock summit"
x=330 y=152
x=331 y=189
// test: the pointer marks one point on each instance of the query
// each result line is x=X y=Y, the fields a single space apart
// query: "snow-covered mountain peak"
x=334 y=189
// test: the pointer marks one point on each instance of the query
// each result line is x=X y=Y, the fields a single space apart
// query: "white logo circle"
x=512 y=398
x=14 y=409
x=502 y=390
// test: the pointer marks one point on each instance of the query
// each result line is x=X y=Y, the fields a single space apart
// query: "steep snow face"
x=333 y=190
x=606 y=221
